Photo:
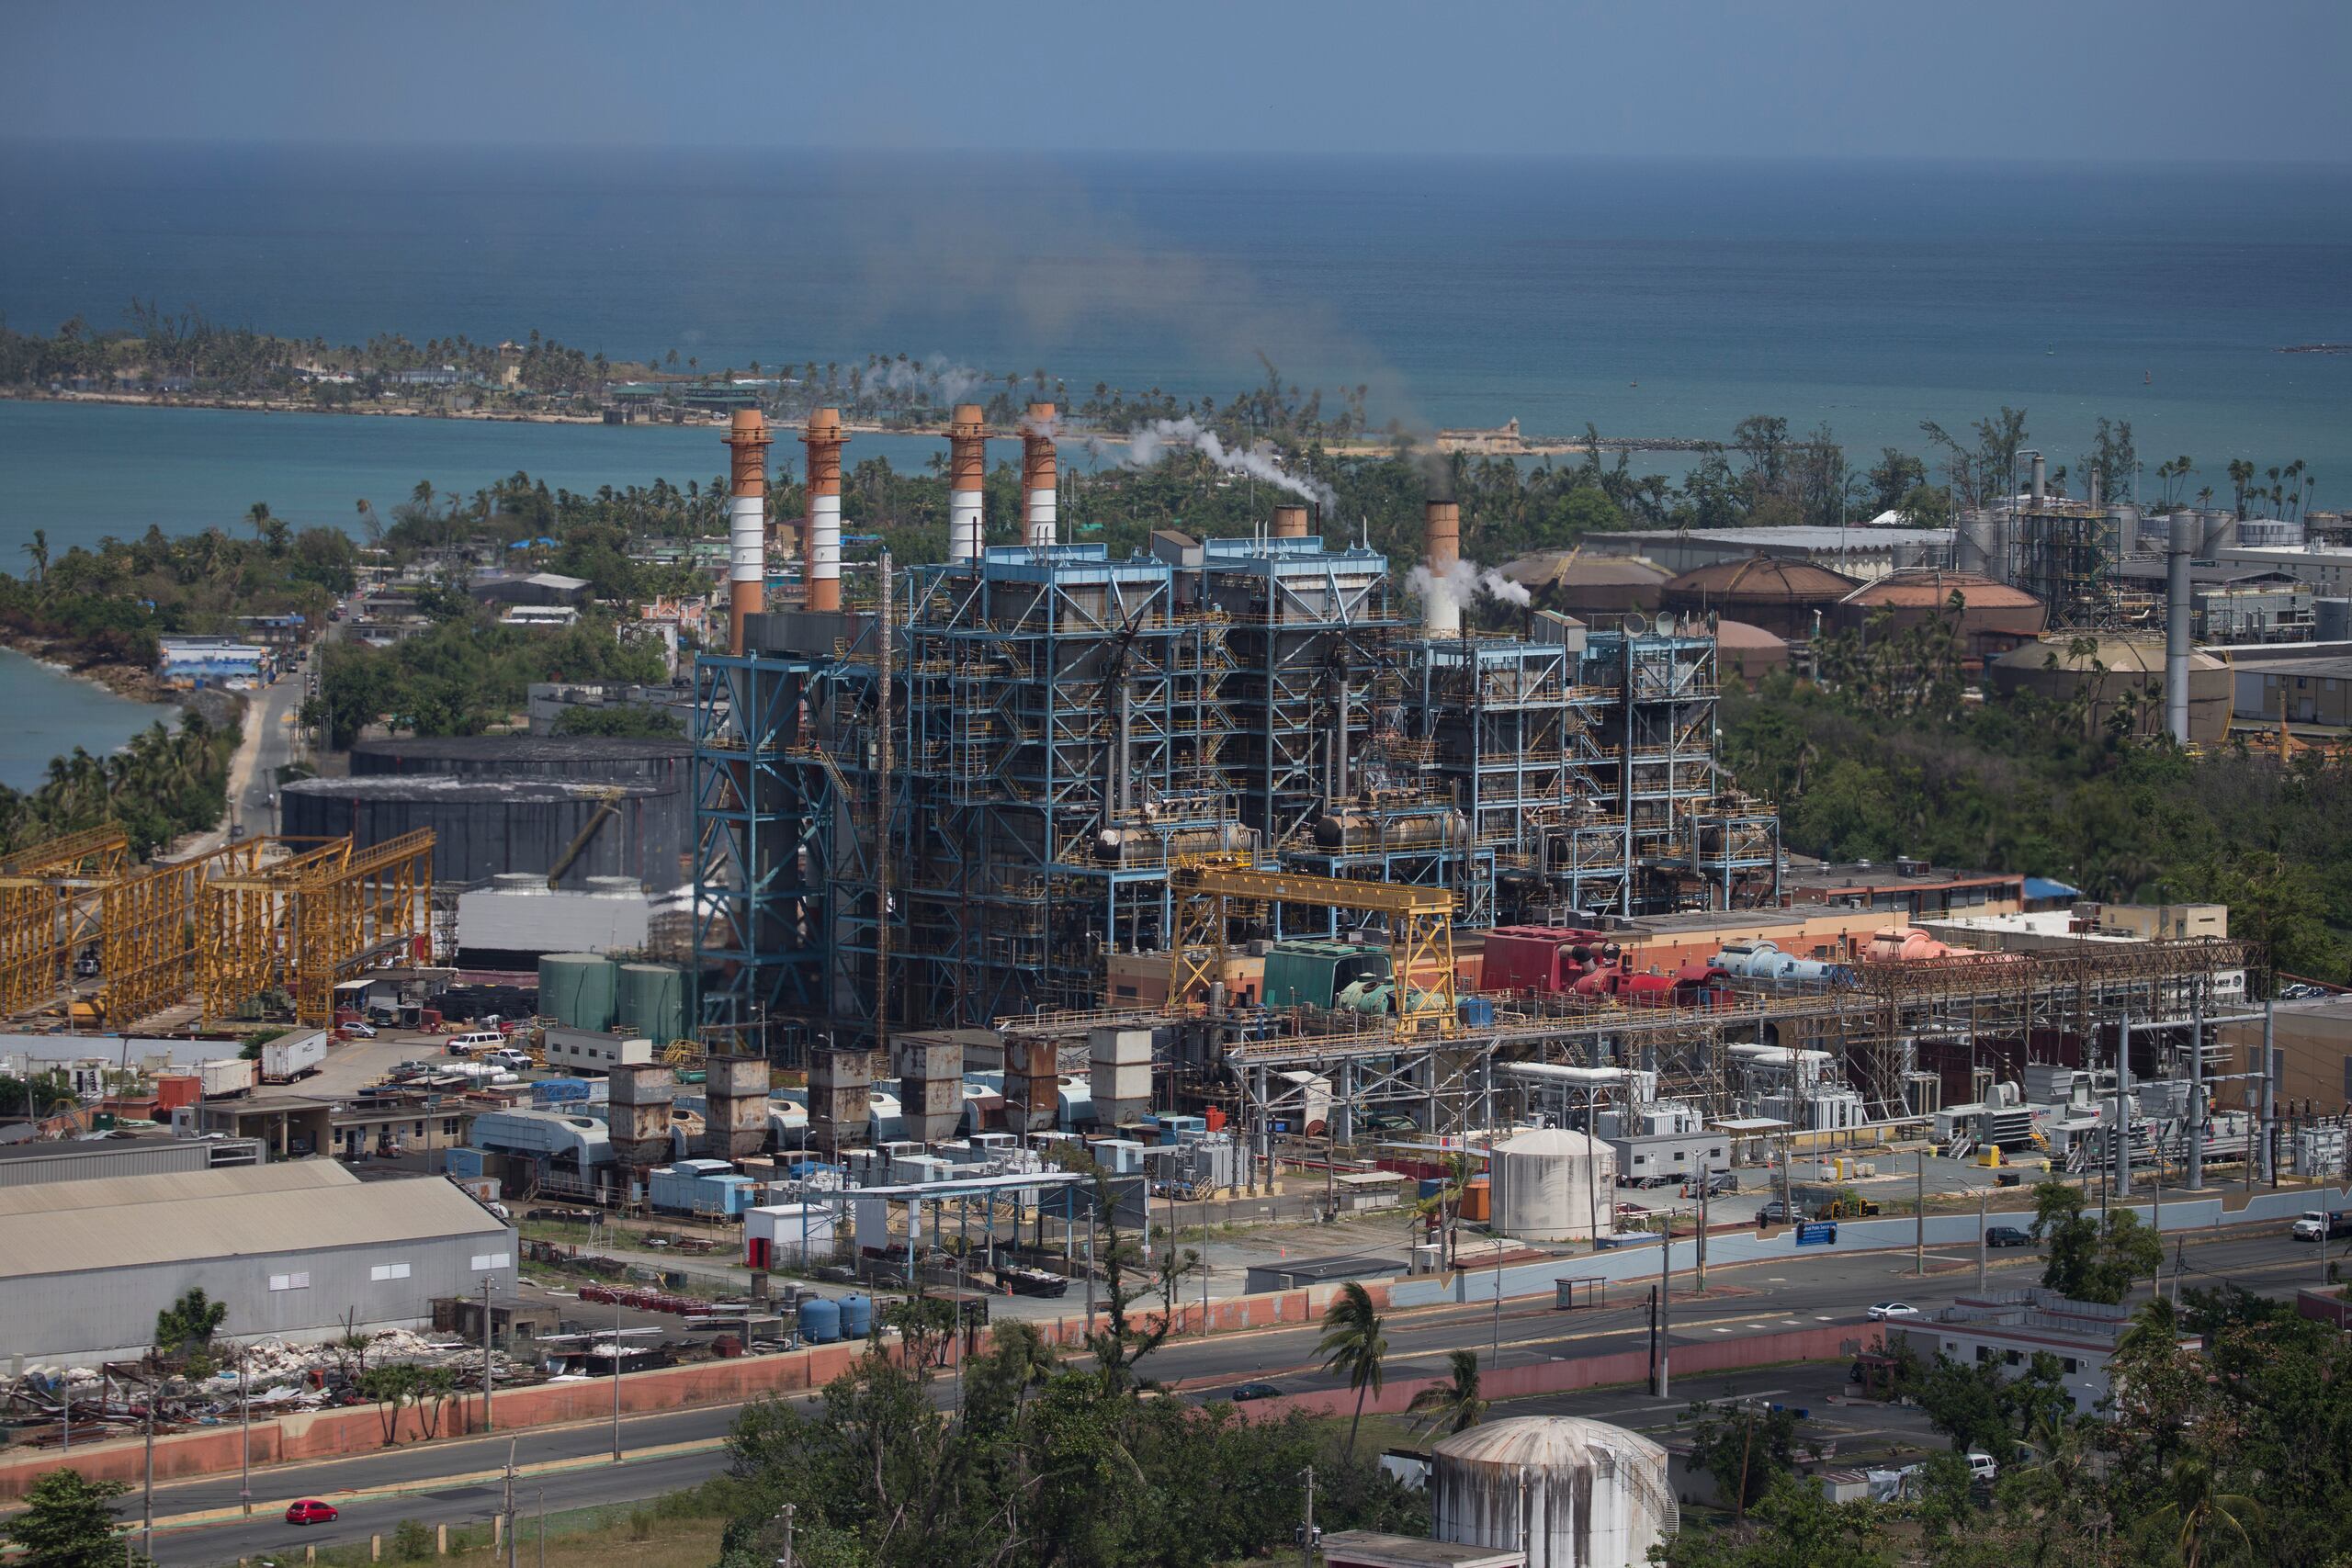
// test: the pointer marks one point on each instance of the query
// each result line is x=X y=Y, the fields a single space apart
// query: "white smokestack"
x=1038 y=473
x=2181 y=546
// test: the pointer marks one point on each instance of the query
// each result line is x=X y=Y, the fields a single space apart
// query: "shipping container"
x=230 y=1077
x=294 y=1056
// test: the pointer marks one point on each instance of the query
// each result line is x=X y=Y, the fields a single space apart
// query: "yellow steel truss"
x=1420 y=929
x=46 y=913
x=308 y=918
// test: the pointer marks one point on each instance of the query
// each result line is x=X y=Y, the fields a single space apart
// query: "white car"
x=1981 y=1466
x=1885 y=1311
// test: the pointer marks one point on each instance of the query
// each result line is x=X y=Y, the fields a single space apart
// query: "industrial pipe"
x=1441 y=552
x=1037 y=473
x=2041 y=483
x=1290 y=522
x=747 y=486
x=2182 y=545
x=968 y=449
x=821 y=550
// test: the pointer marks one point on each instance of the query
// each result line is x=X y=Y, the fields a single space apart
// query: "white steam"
x=1152 y=443
x=1465 y=581
x=934 y=380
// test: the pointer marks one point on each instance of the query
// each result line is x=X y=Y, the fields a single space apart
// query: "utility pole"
x=785 y=1560
x=543 y=1527
x=2269 y=1100
x=486 y=1424
x=617 y=1381
x=1981 y=1242
x=147 y=1498
x=2123 y=1107
x=1919 y=1222
x=1307 y=1533
x=1665 y=1309
x=1699 y=1262
x=884 y=789
x=1089 y=1263
x=510 y=1502
x=245 y=1444
x=2197 y=1089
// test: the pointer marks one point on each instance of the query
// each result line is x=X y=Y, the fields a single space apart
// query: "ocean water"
x=1647 y=298
x=45 y=713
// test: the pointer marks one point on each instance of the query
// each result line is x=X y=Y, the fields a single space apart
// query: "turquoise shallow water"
x=44 y=714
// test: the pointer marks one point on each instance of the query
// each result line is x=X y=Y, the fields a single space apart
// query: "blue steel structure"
x=1064 y=726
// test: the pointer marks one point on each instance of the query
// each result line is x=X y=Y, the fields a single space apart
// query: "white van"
x=479 y=1040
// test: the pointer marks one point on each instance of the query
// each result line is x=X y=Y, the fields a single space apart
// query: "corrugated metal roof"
x=172 y=1186
x=228 y=1213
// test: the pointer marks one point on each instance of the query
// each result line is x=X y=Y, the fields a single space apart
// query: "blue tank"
x=820 y=1320
x=857 y=1316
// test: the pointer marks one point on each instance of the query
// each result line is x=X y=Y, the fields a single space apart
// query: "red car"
x=311 y=1511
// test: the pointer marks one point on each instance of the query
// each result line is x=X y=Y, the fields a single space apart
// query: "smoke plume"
x=1463 y=582
x=938 y=380
x=1153 y=443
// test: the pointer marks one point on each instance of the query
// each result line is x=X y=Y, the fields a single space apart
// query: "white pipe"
x=1584 y=1077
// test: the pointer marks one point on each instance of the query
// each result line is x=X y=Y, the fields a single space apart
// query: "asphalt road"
x=457 y=1483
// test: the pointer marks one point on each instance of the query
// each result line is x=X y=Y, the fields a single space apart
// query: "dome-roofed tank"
x=2104 y=667
x=1763 y=590
x=1553 y=1185
x=1569 y=1492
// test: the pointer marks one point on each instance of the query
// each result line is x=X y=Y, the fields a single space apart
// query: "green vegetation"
x=620 y=723
x=1040 y=1463
x=1745 y=1447
x=2088 y=1262
x=1455 y=1404
x=186 y=1328
x=68 y=1522
x=465 y=675
x=2230 y=1457
x=1354 y=1345
x=1883 y=756
x=161 y=784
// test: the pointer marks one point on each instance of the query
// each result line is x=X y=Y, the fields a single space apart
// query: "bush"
x=411 y=1541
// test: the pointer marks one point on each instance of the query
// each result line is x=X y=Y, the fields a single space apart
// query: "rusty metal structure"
x=308 y=917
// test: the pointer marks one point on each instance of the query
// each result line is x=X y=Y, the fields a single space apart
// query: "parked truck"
x=230 y=1077
x=294 y=1056
x=2323 y=1224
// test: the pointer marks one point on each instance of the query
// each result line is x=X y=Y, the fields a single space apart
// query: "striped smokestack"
x=821 y=550
x=968 y=437
x=1037 y=475
x=1290 y=522
x=747 y=522
x=1441 y=553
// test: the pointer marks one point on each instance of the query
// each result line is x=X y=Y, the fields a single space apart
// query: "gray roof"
x=128 y=1222
x=1797 y=538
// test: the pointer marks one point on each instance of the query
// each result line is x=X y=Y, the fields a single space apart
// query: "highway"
x=458 y=1482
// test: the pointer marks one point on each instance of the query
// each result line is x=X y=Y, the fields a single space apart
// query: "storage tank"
x=484 y=825
x=820 y=1320
x=857 y=1316
x=576 y=989
x=1553 y=1185
x=2331 y=620
x=1780 y=596
x=650 y=999
x=1568 y=1493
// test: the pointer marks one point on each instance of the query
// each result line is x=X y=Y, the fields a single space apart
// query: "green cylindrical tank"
x=652 y=1002
x=576 y=989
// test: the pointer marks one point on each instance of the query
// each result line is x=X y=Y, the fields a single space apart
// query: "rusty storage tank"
x=643 y=1095
x=1568 y=1493
x=735 y=1097
x=2106 y=671
x=1581 y=585
x=930 y=1065
x=841 y=1097
x=1988 y=609
x=1550 y=1184
x=1781 y=596
x=1749 y=653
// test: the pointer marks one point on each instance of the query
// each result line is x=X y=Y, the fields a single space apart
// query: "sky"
x=2255 y=81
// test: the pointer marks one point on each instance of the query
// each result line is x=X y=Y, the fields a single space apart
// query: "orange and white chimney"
x=820 y=546
x=747 y=522
x=1442 y=553
x=1290 y=522
x=967 y=439
x=1037 y=474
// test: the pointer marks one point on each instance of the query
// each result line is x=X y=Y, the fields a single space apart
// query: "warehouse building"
x=294 y=1251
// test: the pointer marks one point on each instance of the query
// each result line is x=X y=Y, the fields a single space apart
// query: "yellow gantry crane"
x=48 y=912
x=1420 y=929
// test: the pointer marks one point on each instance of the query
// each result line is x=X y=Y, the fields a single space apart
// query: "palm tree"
x=1458 y=1171
x=2205 y=1510
x=1454 y=1405
x=1353 y=1344
x=258 y=516
x=38 y=550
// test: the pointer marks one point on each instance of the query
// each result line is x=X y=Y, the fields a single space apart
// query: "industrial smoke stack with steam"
x=1149 y=443
x=1290 y=522
x=1037 y=473
x=821 y=549
x=2183 y=543
x=1442 y=559
x=747 y=521
x=968 y=452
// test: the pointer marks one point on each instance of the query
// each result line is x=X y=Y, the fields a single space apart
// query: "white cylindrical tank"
x=1552 y=1185
x=1569 y=1492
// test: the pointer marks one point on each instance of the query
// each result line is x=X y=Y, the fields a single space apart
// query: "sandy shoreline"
x=1477 y=446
